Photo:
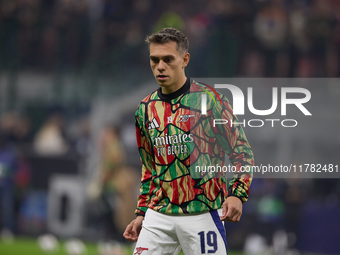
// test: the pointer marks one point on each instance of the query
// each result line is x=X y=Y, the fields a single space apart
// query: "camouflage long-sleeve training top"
x=182 y=151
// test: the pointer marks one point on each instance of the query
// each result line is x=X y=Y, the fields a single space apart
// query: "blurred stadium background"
x=72 y=73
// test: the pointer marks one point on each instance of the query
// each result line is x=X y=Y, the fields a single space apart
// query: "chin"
x=162 y=83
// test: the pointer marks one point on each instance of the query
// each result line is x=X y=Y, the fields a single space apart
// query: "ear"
x=186 y=58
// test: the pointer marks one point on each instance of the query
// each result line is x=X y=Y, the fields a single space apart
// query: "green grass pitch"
x=27 y=246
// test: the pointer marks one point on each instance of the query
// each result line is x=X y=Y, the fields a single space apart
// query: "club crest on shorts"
x=139 y=250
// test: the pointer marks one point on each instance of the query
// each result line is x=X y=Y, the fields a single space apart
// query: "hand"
x=132 y=230
x=232 y=209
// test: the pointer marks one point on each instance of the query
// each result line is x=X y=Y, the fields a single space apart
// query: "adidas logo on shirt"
x=153 y=124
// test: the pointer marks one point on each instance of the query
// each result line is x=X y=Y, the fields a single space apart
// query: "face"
x=167 y=65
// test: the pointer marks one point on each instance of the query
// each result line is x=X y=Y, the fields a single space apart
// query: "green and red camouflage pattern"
x=175 y=140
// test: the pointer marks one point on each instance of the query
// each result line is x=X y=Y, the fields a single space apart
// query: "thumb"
x=224 y=211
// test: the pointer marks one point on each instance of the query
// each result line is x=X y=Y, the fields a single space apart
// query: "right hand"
x=132 y=230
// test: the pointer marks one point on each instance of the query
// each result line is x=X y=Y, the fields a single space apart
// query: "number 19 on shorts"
x=208 y=242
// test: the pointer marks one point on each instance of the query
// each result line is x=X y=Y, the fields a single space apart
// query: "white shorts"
x=163 y=234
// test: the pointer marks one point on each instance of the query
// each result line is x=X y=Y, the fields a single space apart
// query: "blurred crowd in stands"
x=286 y=38
x=18 y=144
x=246 y=38
x=30 y=158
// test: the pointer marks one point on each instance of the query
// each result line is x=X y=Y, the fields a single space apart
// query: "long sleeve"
x=145 y=151
x=233 y=140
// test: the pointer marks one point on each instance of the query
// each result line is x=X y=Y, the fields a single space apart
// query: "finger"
x=223 y=217
x=232 y=219
x=135 y=232
x=238 y=218
x=130 y=236
x=126 y=234
x=232 y=215
x=129 y=233
x=231 y=212
x=235 y=217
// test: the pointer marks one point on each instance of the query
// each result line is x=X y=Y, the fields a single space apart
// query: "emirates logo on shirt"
x=139 y=250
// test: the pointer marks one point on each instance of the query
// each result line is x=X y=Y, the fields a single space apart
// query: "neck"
x=174 y=87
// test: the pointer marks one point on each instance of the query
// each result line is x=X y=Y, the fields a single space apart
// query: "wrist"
x=140 y=214
x=139 y=218
x=234 y=196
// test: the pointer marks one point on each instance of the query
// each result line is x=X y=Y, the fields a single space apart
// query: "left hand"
x=132 y=231
x=232 y=209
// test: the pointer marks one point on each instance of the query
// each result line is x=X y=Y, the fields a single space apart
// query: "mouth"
x=162 y=77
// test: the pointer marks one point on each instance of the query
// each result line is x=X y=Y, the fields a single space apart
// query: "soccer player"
x=183 y=205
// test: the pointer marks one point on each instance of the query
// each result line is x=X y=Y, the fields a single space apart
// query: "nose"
x=161 y=66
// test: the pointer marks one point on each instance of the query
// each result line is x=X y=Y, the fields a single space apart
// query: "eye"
x=154 y=60
x=167 y=60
